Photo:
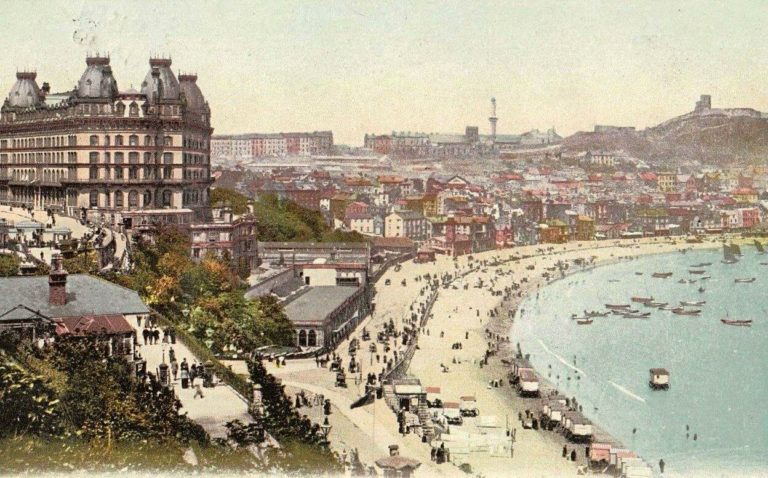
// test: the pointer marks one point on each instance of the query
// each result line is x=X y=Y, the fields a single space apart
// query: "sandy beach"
x=462 y=315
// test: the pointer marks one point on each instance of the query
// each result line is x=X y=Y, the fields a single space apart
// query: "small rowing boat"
x=643 y=315
x=744 y=280
x=742 y=323
x=625 y=311
x=585 y=321
x=617 y=306
x=694 y=303
x=656 y=304
x=703 y=264
x=696 y=271
x=681 y=311
x=662 y=275
x=642 y=300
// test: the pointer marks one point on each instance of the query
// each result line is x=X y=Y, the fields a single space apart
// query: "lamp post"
x=326 y=428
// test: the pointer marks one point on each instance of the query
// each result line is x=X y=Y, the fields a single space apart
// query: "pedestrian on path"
x=145 y=334
x=198 y=392
x=174 y=369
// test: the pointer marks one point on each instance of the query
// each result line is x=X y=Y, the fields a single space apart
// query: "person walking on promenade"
x=171 y=355
x=198 y=392
x=145 y=333
x=174 y=368
x=155 y=335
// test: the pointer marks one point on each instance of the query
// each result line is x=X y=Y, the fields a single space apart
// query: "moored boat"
x=682 y=311
x=643 y=315
x=694 y=303
x=759 y=247
x=617 y=306
x=743 y=280
x=702 y=264
x=741 y=322
x=642 y=300
x=662 y=275
x=585 y=321
x=696 y=271
x=656 y=304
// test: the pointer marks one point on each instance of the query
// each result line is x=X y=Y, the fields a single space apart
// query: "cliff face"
x=715 y=136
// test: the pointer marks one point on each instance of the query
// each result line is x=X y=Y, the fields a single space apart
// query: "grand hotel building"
x=98 y=152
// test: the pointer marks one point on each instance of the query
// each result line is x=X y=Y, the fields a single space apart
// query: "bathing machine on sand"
x=518 y=364
x=527 y=384
x=552 y=413
x=577 y=428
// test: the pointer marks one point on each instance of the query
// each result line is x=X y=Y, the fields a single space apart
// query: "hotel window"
x=119 y=140
x=93 y=173
x=168 y=141
x=133 y=140
x=107 y=140
x=107 y=173
x=167 y=173
x=147 y=198
x=118 y=199
x=107 y=157
x=167 y=195
x=167 y=158
x=147 y=158
x=133 y=199
x=133 y=158
x=147 y=173
x=147 y=140
x=118 y=173
x=94 y=140
x=133 y=109
x=118 y=158
x=94 y=199
x=133 y=173
x=93 y=157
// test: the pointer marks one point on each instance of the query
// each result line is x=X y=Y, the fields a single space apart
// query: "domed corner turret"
x=25 y=93
x=160 y=84
x=97 y=81
x=195 y=101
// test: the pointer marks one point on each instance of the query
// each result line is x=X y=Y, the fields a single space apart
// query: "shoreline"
x=502 y=324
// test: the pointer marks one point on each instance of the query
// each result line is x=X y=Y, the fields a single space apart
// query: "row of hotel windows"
x=133 y=173
x=52 y=157
x=133 y=140
x=133 y=199
x=133 y=158
x=46 y=142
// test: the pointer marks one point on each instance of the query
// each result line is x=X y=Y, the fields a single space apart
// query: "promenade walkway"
x=219 y=405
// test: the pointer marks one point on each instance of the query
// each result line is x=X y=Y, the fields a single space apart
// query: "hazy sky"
x=356 y=67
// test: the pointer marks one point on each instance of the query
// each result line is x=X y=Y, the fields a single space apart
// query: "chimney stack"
x=57 y=282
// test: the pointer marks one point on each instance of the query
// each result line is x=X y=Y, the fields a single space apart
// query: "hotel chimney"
x=57 y=282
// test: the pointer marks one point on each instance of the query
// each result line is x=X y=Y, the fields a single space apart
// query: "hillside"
x=716 y=136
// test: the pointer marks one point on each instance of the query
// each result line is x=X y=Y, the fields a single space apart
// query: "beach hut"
x=552 y=414
x=618 y=454
x=468 y=406
x=434 y=398
x=452 y=413
x=518 y=365
x=527 y=383
x=659 y=379
x=600 y=453
x=577 y=428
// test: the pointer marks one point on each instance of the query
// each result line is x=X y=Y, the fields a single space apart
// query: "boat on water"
x=759 y=247
x=741 y=322
x=682 y=281
x=729 y=256
x=682 y=311
x=764 y=263
x=696 y=271
x=705 y=277
x=613 y=280
x=643 y=315
x=638 y=273
x=624 y=311
x=736 y=249
x=744 y=280
x=702 y=264
x=594 y=313
x=617 y=306
x=667 y=307
x=585 y=321
x=642 y=300
x=656 y=304
x=694 y=303
x=701 y=289
x=662 y=275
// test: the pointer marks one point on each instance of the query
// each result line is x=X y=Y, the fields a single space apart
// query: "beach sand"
x=462 y=314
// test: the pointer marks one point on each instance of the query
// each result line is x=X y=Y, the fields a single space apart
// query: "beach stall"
x=577 y=428
x=409 y=394
x=599 y=453
x=434 y=399
x=659 y=379
x=617 y=454
x=452 y=413
x=468 y=406
x=528 y=383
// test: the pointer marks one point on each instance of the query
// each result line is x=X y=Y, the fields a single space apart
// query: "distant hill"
x=711 y=135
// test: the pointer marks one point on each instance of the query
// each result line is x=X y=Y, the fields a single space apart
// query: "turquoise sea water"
x=718 y=374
